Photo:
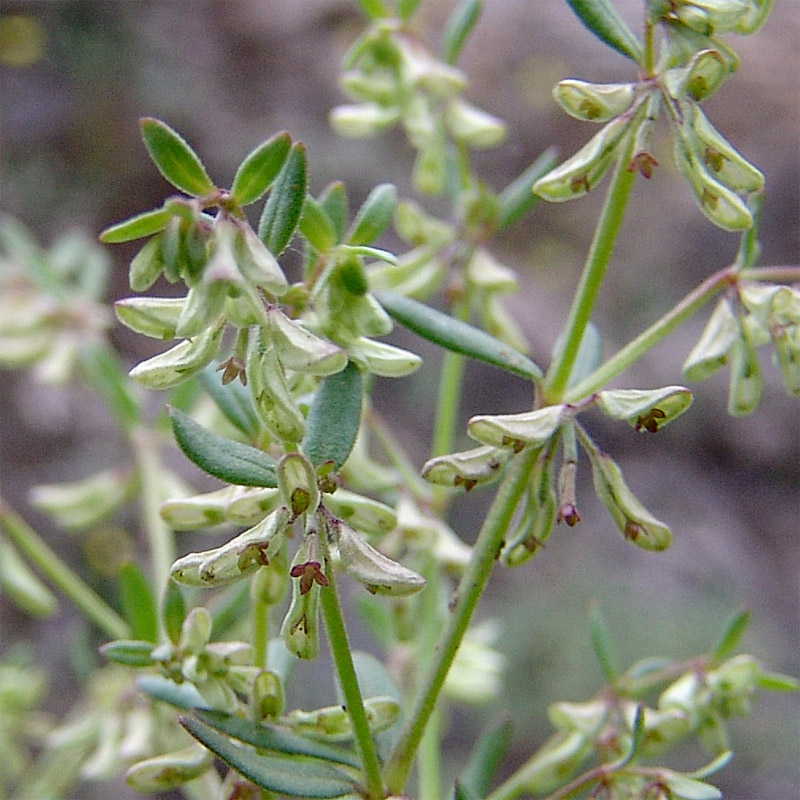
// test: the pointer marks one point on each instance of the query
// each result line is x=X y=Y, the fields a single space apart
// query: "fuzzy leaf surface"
x=223 y=458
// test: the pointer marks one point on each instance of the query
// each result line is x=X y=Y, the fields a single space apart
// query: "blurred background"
x=75 y=76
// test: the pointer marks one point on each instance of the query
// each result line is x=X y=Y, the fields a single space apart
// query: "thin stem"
x=348 y=681
x=60 y=575
x=159 y=535
x=605 y=236
x=636 y=348
x=260 y=630
x=466 y=599
x=430 y=751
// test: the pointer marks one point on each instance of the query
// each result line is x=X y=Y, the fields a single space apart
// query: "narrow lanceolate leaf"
x=232 y=399
x=138 y=603
x=374 y=215
x=485 y=759
x=374 y=9
x=271 y=737
x=334 y=200
x=602 y=19
x=181 y=695
x=295 y=776
x=137 y=227
x=334 y=418
x=732 y=634
x=285 y=203
x=518 y=197
x=130 y=652
x=256 y=173
x=461 y=22
x=175 y=159
x=317 y=226
x=227 y=460
x=455 y=335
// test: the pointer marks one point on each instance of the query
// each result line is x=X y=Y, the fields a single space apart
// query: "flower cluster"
x=693 y=65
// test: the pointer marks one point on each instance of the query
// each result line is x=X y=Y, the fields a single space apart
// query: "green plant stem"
x=430 y=752
x=580 y=312
x=466 y=599
x=159 y=536
x=686 y=308
x=348 y=681
x=650 y=337
x=60 y=575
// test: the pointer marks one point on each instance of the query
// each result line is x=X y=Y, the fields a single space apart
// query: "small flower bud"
x=746 y=383
x=248 y=505
x=472 y=126
x=559 y=757
x=364 y=120
x=300 y=629
x=578 y=174
x=468 y=469
x=257 y=264
x=379 y=573
x=634 y=521
x=645 y=409
x=713 y=348
x=586 y=718
x=195 y=631
x=700 y=78
x=528 y=429
x=170 y=770
x=269 y=388
x=267 y=697
x=169 y=369
x=593 y=102
x=484 y=272
x=302 y=351
x=246 y=552
x=297 y=483
x=362 y=513
x=85 y=503
x=198 y=511
x=152 y=316
x=383 y=359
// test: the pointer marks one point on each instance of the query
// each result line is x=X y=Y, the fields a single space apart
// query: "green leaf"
x=731 y=636
x=601 y=642
x=175 y=159
x=455 y=335
x=285 y=203
x=145 y=224
x=334 y=200
x=173 y=611
x=317 y=226
x=374 y=9
x=256 y=173
x=406 y=8
x=602 y=19
x=138 y=603
x=21 y=584
x=271 y=737
x=775 y=682
x=181 y=695
x=334 y=418
x=223 y=458
x=485 y=758
x=131 y=653
x=464 y=792
x=232 y=399
x=518 y=196
x=374 y=216
x=459 y=25
x=682 y=787
x=291 y=775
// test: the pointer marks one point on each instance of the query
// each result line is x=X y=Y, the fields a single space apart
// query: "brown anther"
x=231 y=369
x=649 y=421
x=710 y=199
x=568 y=513
x=714 y=159
x=632 y=530
x=580 y=182
x=644 y=163
x=309 y=573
